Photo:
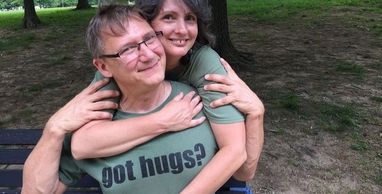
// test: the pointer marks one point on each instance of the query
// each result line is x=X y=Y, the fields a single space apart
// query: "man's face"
x=143 y=63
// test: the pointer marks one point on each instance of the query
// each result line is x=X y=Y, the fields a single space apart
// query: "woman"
x=183 y=24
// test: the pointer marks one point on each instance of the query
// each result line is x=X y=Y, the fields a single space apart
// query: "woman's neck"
x=172 y=62
x=144 y=100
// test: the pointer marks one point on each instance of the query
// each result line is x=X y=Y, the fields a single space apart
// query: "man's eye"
x=128 y=50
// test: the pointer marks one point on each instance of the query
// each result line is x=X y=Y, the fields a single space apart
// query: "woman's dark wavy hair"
x=200 y=8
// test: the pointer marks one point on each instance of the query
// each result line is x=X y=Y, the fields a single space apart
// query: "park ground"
x=319 y=74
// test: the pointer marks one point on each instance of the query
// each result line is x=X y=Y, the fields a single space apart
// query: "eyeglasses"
x=131 y=52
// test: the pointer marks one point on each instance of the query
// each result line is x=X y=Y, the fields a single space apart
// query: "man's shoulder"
x=181 y=87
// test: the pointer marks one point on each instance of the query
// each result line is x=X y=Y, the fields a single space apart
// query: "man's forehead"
x=133 y=25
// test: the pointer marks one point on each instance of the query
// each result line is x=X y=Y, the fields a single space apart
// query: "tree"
x=224 y=44
x=83 y=4
x=30 y=17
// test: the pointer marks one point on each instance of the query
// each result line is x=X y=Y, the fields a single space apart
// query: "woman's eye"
x=190 y=18
x=168 y=17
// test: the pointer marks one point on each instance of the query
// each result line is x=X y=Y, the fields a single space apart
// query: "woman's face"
x=179 y=26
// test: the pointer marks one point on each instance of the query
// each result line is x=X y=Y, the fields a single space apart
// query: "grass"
x=376 y=98
x=351 y=68
x=337 y=118
x=23 y=40
x=271 y=10
x=360 y=144
x=378 y=179
x=289 y=102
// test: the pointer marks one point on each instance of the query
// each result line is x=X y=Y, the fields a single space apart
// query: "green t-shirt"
x=164 y=165
x=203 y=61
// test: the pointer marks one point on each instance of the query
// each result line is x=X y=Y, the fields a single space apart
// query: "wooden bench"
x=15 y=146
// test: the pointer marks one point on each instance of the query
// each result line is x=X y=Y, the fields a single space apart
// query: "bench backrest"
x=16 y=145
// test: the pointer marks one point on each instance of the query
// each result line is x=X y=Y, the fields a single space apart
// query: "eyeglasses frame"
x=118 y=55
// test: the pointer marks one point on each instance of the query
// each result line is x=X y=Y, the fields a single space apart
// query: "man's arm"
x=40 y=173
x=229 y=158
x=103 y=138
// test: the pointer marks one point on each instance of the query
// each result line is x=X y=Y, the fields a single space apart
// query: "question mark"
x=201 y=155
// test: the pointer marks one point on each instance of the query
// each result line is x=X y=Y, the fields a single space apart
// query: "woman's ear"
x=102 y=67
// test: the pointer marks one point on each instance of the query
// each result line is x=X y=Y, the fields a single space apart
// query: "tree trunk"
x=30 y=17
x=223 y=44
x=83 y=4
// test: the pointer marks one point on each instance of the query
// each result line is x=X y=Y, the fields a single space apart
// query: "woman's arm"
x=243 y=98
x=102 y=138
x=229 y=158
x=40 y=174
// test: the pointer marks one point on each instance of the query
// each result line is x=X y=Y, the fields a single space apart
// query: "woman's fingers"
x=104 y=94
x=218 y=78
x=198 y=121
x=197 y=109
x=94 y=87
x=222 y=101
x=218 y=88
x=104 y=105
x=96 y=115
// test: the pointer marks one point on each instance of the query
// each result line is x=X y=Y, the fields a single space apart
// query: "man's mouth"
x=149 y=67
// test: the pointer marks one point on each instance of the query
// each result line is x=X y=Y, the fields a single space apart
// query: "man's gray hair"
x=112 y=18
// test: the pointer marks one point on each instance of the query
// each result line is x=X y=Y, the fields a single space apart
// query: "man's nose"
x=145 y=53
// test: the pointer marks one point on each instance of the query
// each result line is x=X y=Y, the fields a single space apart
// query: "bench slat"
x=19 y=136
x=13 y=178
x=14 y=156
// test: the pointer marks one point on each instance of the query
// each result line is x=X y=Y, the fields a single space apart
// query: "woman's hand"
x=238 y=93
x=179 y=113
x=84 y=107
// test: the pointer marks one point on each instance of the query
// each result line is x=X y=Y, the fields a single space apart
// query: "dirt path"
x=300 y=58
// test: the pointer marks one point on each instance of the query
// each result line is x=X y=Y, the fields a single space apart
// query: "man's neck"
x=146 y=100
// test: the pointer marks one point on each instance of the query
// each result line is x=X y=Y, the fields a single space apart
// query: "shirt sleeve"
x=112 y=85
x=207 y=61
x=69 y=172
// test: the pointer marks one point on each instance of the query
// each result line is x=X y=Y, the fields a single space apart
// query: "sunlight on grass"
x=66 y=16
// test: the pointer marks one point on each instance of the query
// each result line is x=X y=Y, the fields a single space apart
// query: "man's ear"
x=102 y=67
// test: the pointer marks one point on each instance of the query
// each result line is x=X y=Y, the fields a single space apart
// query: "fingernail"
x=206 y=76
